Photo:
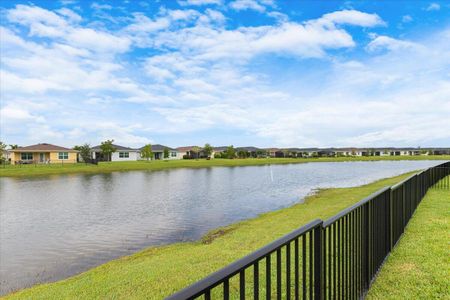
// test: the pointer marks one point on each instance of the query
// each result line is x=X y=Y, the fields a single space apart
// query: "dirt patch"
x=407 y=268
x=210 y=237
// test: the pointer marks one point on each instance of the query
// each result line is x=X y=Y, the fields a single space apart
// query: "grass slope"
x=158 y=272
x=32 y=170
x=419 y=267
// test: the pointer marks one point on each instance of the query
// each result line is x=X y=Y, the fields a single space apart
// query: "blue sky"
x=243 y=72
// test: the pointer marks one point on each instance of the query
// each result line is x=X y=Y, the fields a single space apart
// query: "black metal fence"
x=333 y=259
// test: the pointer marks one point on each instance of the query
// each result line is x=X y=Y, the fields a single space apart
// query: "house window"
x=63 y=155
x=173 y=154
x=26 y=156
x=124 y=154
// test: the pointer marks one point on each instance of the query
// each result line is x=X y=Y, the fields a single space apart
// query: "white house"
x=121 y=154
x=158 y=152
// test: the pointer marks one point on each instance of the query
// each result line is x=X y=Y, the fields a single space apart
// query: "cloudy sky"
x=243 y=72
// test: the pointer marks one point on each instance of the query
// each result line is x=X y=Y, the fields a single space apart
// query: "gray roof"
x=118 y=148
x=220 y=148
x=248 y=148
x=158 y=147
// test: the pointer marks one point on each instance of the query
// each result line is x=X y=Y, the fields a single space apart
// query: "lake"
x=56 y=226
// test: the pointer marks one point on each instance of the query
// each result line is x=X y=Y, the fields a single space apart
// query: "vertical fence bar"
x=242 y=285
x=268 y=278
x=297 y=279
x=366 y=257
x=256 y=280
x=279 y=273
x=311 y=265
x=304 y=265
x=226 y=289
x=318 y=256
x=288 y=271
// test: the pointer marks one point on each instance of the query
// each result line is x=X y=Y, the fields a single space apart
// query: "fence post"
x=366 y=257
x=318 y=262
x=389 y=220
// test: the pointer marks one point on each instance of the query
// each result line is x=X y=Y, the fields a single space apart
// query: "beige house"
x=43 y=153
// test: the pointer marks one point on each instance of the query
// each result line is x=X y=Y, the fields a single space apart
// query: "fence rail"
x=333 y=259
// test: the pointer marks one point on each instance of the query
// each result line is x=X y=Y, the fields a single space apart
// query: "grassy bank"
x=419 y=267
x=157 y=272
x=32 y=170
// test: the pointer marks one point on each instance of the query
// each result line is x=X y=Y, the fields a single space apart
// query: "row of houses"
x=48 y=153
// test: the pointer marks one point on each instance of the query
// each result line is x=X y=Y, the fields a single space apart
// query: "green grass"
x=158 y=272
x=419 y=266
x=32 y=170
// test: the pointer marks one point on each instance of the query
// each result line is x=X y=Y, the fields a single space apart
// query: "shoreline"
x=185 y=262
x=109 y=167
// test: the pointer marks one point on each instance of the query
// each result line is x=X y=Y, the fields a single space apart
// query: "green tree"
x=85 y=152
x=230 y=153
x=242 y=154
x=196 y=151
x=14 y=146
x=208 y=149
x=166 y=153
x=261 y=153
x=147 y=152
x=107 y=148
x=2 y=148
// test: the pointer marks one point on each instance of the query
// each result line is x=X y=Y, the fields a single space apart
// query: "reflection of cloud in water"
x=53 y=227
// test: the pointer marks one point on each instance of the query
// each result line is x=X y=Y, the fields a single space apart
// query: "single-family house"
x=439 y=151
x=402 y=152
x=43 y=153
x=275 y=152
x=345 y=152
x=251 y=151
x=158 y=152
x=191 y=152
x=219 y=150
x=326 y=152
x=309 y=152
x=121 y=154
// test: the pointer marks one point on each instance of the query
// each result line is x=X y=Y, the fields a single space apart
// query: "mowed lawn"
x=104 y=167
x=419 y=267
x=158 y=272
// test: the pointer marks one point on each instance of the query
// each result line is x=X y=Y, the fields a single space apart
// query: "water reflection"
x=53 y=227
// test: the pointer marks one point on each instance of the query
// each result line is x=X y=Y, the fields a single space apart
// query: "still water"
x=57 y=226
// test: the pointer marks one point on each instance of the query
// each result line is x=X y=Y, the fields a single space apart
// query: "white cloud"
x=407 y=19
x=200 y=2
x=351 y=17
x=97 y=41
x=17 y=114
x=69 y=14
x=384 y=42
x=247 y=5
x=433 y=7
x=44 y=23
x=99 y=6
x=280 y=17
x=212 y=16
x=144 y=24
x=311 y=39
